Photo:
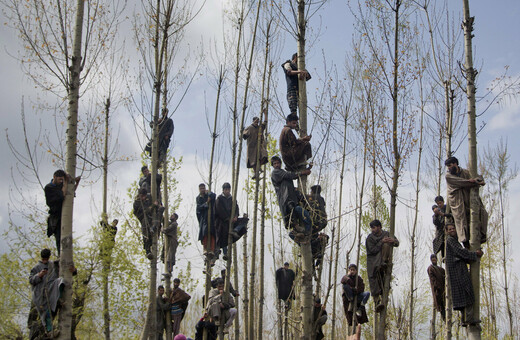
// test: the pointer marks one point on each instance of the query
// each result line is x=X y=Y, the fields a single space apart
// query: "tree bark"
x=66 y=258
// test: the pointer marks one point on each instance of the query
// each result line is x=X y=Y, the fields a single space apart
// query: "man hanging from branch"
x=459 y=183
x=378 y=246
x=354 y=290
x=292 y=73
x=251 y=135
x=437 y=277
x=293 y=214
x=457 y=258
x=206 y=217
x=295 y=151
x=55 y=193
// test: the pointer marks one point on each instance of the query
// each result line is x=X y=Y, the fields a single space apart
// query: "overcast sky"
x=496 y=44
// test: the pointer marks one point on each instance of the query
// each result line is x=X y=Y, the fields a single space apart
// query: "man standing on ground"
x=378 y=246
x=295 y=151
x=457 y=258
x=459 y=184
x=55 y=193
x=179 y=303
x=437 y=277
x=163 y=306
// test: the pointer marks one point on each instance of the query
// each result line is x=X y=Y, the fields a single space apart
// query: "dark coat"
x=319 y=317
x=457 y=258
x=223 y=207
x=54 y=198
x=377 y=254
x=437 y=277
x=285 y=192
x=210 y=326
x=284 y=283
x=351 y=281
x=438 y=222
x=202 y=214
x=146 y=183
x=143 y=211
x=294 y=150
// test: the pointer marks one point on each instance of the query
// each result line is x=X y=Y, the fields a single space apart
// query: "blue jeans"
x=361 y=297
x=305 y=217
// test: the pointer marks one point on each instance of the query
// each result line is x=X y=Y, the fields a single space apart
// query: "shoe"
x=226 y=329
x=166 y=275
x=359 y=313
x=149 y=256
x=209 y=254
x=380 y=307
x=225 y=258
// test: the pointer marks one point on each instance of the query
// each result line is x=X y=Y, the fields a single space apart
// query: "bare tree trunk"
x=106 y=256
x=473 y=330
x=66 y=258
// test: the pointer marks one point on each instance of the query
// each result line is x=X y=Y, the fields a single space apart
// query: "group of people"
x=452 y=240
x=176 y=304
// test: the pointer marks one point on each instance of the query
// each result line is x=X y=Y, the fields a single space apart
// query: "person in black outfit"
x=290 y=68
x=55 y=193
x=284 y=284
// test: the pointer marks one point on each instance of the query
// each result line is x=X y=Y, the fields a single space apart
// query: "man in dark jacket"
x=144 y=210
x=145 y=182
x=284 y=284
x=206 y=217
x=165 y=134
x=439 y=216
x=206 y=323
x=295 y=151
x=353 y=286
x=378 y=246
x=162 y=307
x=457 y=258
x=223 y=207
x=319 y=317
x=287 y=197
x=290 y=68
x=55 y=193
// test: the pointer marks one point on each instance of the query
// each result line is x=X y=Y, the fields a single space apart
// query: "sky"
x=496 y=45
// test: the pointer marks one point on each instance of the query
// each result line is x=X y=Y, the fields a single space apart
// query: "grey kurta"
x=457 y=258
x=285 y=192
x=213 y=307
x=171 y=238
x=458 y=199
x=251 y=135
x=46 y=289
x=377 y=254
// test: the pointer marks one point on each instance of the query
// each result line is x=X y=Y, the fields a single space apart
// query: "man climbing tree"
x=292 y=75
x=295 y=151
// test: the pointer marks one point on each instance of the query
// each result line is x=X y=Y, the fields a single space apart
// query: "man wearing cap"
x=459 y=183
x=295 y=151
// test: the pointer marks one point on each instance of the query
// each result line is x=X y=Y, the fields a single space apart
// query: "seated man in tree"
x=319 y=318
x=206 y=217
x=223 y=278
x=319 y=242
x=378 y=246
x=315 y=204
x=47 y=287
x=145 y=182
x=457 y=258
x=287 y=197
x=459 y=183
x=290 y=68
x=251 y=135
x=149 y=214
x=285 y=284
x=55 y=193
x=354 y=288
x=171 y=239
x=220 y=306
x=437 y=277
x=295 y=151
